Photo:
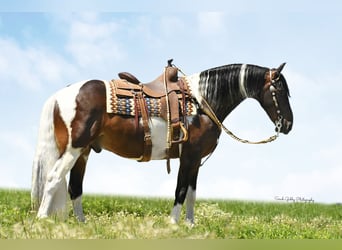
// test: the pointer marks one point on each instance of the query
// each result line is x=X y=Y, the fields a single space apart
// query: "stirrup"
x=185 y=134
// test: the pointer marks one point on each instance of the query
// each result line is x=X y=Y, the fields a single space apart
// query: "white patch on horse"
x=66 y=99
x=242 y=79
x=207 y=81
x=158 y=128
x=78 y=209
x=109 y=108
x=175 y=213
x=193 y=81
x=216 y=87
x=190 y=204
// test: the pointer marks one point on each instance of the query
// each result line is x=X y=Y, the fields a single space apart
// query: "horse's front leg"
x=186 y=187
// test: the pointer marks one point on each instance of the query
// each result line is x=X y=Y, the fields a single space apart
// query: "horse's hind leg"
x=76 y=184
x=186 y=187
x=55 y=194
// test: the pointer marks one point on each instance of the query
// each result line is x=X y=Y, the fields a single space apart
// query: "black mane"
x=220 y=85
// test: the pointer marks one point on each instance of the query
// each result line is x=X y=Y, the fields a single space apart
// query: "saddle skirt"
x=121 y=100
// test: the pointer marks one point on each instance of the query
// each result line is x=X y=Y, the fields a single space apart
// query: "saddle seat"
x=156 y=88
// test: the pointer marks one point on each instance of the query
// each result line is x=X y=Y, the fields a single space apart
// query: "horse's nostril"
x=287 y=125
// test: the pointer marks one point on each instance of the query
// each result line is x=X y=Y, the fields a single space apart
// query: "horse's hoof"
x=190 y=223
x=41 y=216
x=81 y=219
x=173 y=221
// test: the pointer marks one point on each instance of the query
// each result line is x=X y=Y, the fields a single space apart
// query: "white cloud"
x=16 y=142
x=31 y=67
x=171 y=26
x=92 y=42
x=16 y=159
x=211 y=23
x=145 y=31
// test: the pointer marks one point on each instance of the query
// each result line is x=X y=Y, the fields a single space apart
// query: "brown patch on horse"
x=121 y=135
x=203 y=135
x=90 y=107
x=61 y=131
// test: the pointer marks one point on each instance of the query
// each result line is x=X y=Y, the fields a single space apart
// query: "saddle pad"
x=126 y=105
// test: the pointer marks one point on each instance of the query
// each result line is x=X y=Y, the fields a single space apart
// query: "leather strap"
x=147 y=133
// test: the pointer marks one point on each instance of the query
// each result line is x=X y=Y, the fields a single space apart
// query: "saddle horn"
x=169 y=62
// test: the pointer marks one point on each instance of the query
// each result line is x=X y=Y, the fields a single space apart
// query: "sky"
x=44 y=47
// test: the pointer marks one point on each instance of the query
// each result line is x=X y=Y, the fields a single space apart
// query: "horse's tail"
x=46 y=152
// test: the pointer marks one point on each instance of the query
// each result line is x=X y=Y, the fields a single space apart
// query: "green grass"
x=111 y=217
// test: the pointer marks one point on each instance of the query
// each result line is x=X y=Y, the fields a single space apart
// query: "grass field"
x=111 y=217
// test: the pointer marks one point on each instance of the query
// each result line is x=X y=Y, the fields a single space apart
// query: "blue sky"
x=41 y=52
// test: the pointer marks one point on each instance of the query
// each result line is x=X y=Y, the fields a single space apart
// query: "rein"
x=168 y=118
x=209 y=112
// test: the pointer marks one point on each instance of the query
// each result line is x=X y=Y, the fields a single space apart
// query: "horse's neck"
x=224 y=89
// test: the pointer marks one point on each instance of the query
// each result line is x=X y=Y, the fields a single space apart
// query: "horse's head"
x=274 y=98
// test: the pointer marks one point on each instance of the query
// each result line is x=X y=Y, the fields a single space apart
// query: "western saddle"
x=171 y=92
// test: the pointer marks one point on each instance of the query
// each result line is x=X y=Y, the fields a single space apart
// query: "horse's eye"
x=279 y=85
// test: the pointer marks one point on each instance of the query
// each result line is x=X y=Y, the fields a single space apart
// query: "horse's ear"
x=280 y=68
x=275 y=73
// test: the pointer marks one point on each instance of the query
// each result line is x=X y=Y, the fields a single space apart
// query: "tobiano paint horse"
x=74 y=121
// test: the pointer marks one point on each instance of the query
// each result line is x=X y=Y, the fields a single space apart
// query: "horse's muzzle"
x=286 y=126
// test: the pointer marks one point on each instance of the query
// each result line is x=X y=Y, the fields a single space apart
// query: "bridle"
x=273 y=90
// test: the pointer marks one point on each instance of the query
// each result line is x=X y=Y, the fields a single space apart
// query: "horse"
x=74 y=121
